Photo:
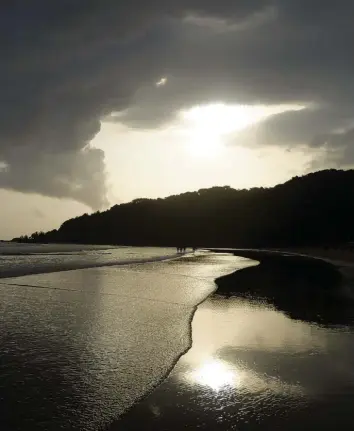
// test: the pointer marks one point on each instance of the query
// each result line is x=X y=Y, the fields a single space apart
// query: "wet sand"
x=273 y=348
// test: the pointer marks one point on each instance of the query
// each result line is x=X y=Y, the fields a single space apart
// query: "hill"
x=315 y=209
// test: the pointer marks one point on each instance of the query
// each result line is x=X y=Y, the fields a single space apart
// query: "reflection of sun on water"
x=216 y=375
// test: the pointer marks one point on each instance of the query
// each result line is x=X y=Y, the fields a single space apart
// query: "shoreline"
x=147 y=299
x=275 y=259
x=250 y=357
x=305 y=287
x=116 y=332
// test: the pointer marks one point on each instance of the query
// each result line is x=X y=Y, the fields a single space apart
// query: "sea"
x=22 y=259
x=139 y=338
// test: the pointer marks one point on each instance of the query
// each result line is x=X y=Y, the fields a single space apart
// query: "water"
x=78 y=348
x=253 y=367
x=22 y=259
x=146 y=347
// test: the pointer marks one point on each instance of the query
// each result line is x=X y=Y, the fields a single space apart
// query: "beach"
x=260 y=361
x=80 y=347
x=172 y=344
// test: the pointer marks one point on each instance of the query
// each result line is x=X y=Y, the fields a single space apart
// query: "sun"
x=221 y=118
x=207 y=125
x=204 y=145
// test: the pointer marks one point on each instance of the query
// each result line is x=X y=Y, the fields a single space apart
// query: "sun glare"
x=216 y=375
x=204 y=144
x=222 y=119
x=208 y=124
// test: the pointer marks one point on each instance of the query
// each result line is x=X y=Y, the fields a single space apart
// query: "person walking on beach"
x=181 y=249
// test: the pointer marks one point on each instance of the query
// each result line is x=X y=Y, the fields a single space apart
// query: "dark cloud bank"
x=67 y=64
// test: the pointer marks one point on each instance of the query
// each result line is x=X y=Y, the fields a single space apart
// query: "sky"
x=103 y=102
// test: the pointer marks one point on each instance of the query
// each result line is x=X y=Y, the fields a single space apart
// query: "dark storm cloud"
x=301 y=54
x=341 y=145
x=67 y=64
x=339 y=150
x=297 y=127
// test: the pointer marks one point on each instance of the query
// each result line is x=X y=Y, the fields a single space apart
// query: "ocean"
x=24 y=259
x=146 y=342
x=80 y=347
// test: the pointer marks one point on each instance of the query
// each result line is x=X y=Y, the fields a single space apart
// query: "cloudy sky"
x=106 y=101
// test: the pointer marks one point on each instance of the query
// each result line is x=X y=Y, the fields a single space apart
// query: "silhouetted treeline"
x=315 y=209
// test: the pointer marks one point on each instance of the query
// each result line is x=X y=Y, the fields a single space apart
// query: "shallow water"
x=78 y=348
x=253 y=367
x=22 y=259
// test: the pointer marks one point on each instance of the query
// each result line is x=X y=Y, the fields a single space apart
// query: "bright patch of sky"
x=190 y=153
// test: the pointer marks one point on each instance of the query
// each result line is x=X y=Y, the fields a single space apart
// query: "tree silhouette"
x=315 y=209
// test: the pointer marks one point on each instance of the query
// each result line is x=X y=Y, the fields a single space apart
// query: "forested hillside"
x=313 y=209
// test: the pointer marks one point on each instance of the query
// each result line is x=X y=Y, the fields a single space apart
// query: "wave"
x=72 y=265
x=13 y=249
